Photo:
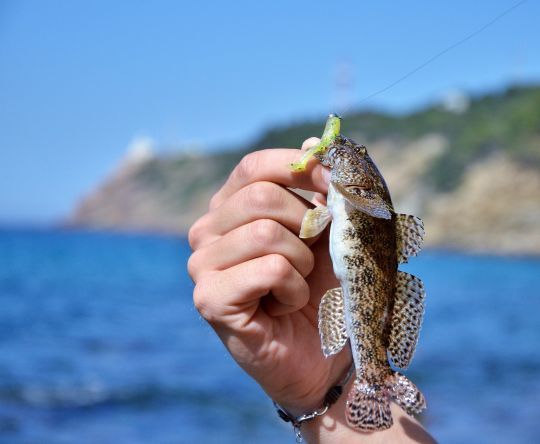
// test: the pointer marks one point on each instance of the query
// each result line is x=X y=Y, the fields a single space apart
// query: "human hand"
x=259 y=285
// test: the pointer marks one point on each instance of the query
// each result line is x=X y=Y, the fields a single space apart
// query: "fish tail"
x=368 y=407
x=405 y=393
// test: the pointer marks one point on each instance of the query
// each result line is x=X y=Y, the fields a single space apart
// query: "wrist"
x=332 y=396
x=332 y=427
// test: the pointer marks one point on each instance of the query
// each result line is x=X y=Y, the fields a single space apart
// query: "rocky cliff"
x=472 y=174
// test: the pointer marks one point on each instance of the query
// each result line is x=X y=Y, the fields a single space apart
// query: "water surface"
x=100 y=343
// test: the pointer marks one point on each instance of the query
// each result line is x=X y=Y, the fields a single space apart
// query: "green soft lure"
x=331 y=131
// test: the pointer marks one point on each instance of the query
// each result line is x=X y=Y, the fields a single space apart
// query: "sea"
x=100 y=343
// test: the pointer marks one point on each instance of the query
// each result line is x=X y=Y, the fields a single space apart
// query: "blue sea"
x=100 y=343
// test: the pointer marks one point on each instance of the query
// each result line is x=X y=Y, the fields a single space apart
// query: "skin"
x=259 y=287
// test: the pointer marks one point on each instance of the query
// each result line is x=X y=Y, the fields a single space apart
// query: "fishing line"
x=444 y=51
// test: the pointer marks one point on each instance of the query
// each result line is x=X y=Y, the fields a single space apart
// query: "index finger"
x=271 y=165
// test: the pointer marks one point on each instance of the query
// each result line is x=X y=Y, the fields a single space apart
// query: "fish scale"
x=366 y=296
x=377 y=308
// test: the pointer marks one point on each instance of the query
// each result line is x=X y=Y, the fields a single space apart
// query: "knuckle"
x=248 y=166
x=192 y=266
x=310 y=262
x=265 y=231
x=263 y=195
x=214 y=202
x=278 y=266
x=303 y=293
x=196 y=233
x=205 y=302
x=200 y=300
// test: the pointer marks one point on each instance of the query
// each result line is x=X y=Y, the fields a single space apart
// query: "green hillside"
x=473 y=175
x=508 y=121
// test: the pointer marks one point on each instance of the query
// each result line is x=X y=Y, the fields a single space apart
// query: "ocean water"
x=100 y=343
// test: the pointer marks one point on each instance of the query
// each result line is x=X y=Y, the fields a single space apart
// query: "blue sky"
x=80 y=80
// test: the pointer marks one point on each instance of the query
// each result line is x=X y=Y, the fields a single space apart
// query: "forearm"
x=332 y=428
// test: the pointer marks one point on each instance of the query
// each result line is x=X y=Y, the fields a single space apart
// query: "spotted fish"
x=378 y=309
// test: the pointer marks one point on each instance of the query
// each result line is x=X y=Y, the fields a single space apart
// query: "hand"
x=259 y=285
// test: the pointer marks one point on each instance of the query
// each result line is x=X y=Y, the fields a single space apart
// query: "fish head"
x=357 y=179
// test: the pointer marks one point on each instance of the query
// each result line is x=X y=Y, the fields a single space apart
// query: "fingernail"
x=326 y=175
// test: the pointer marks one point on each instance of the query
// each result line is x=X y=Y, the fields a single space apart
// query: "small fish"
x=378 y=308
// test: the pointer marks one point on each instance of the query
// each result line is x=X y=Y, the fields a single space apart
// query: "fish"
x=378 y=309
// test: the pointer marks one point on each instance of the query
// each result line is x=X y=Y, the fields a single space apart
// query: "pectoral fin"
x=406 y=318
x=314 y=222
x=365 y=200
x=410 y=236
x=405 y=393
x=332 y=322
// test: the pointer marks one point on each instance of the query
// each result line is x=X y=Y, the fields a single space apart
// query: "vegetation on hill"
x=507 y=121
x=460 y=170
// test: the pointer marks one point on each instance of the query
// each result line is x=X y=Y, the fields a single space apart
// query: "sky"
x=81 y=82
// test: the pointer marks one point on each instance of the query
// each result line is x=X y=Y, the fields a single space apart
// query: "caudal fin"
x=368 y=407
